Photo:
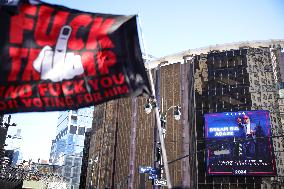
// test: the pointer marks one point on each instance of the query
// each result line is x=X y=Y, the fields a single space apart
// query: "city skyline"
x=182 y=26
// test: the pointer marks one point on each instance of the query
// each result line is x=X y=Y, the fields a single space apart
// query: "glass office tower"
x=67 y=147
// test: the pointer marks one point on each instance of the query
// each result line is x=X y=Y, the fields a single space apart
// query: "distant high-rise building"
x=67 y=147
x=16 y=144
x=11 y=142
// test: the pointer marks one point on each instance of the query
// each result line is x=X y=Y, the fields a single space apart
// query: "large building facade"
x=222 y=78
x=67 y=147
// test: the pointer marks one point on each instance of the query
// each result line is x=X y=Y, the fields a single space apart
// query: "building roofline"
x=174 y=58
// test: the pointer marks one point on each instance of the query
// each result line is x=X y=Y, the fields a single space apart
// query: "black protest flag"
x=56 y=58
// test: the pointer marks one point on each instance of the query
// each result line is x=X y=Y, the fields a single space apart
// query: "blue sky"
x=168 y=27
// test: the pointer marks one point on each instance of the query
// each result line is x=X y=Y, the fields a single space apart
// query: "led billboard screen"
x=239 y=143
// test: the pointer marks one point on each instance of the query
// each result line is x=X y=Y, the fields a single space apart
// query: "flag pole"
x=157 y=113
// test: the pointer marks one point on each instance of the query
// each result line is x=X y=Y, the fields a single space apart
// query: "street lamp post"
x=176 y=114
x=159 y=146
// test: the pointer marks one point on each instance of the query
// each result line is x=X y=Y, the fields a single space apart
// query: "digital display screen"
x=239 y=143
